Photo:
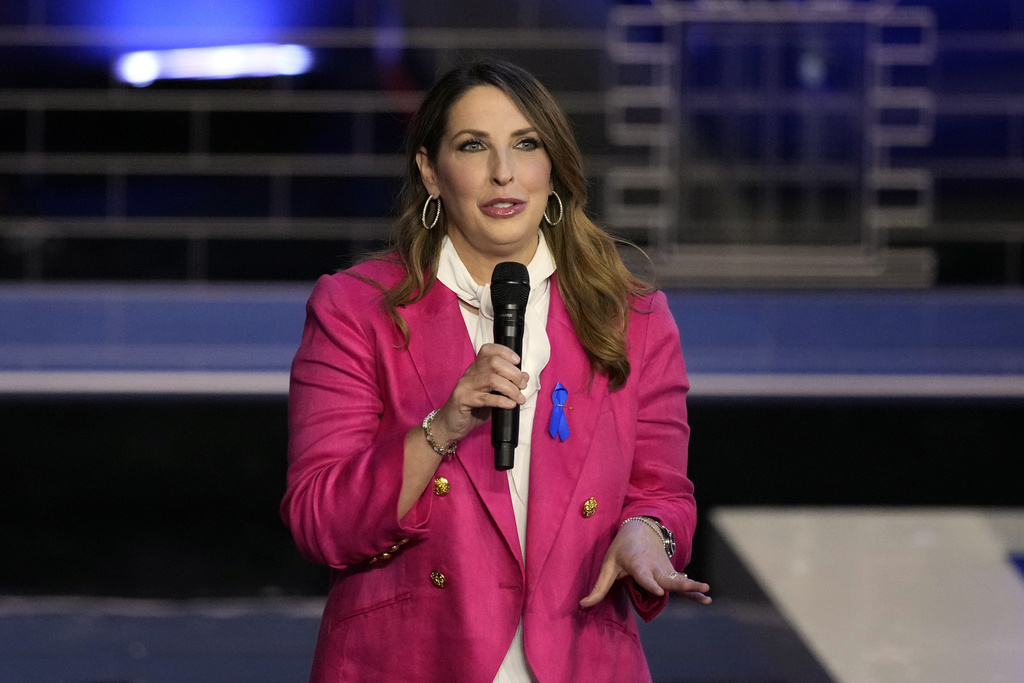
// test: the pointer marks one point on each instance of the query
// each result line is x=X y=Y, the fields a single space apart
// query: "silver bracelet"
x=646 y=520
x=438 y=448
x=665 y=535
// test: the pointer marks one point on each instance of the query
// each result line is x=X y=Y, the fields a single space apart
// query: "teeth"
x=503 y=205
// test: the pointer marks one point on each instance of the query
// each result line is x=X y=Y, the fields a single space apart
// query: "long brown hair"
x=596 y=287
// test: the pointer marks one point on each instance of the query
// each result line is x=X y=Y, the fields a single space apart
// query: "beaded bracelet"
x=646 y=520
x=438 y=448
x=668 y=539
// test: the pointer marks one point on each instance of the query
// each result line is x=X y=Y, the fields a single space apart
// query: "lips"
x=503 y=207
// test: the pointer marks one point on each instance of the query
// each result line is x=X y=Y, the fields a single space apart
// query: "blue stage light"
x=269 y=14
x=228 y=61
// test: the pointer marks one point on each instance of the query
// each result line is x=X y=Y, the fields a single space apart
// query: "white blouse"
x=536 y=352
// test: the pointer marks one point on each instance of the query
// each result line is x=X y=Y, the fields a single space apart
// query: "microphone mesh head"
x=510 y=284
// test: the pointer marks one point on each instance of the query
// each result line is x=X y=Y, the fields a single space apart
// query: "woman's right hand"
x=469 y=406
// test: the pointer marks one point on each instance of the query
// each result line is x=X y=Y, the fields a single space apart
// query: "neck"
x=481 y=266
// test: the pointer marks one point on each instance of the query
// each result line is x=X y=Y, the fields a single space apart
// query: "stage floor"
x=887 y=595
x=804 y=595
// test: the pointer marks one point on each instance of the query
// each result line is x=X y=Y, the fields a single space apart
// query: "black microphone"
x=510 y=290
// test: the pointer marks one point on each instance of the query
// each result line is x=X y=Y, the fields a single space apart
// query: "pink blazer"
x=437 y=595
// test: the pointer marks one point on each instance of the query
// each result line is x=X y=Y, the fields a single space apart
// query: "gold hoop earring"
x=437 y=215
x=561 y=211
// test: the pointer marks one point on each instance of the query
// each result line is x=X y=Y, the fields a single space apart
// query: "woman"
x=443 y=567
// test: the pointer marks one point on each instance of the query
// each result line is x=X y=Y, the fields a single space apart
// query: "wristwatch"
x=668 y=539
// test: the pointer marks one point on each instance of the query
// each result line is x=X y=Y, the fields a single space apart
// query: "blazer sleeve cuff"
x=647 y=604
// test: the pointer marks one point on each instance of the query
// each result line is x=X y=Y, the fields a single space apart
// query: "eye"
x=528 y=144
x=473 y=145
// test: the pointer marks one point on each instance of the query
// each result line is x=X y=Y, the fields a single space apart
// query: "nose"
x=501 y=171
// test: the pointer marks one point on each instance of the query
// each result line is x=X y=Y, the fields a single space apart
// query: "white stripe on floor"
x=887 y=595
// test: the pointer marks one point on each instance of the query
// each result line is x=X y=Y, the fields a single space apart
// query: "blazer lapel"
x=441 y=350
x=555 y=465
x=438 y=343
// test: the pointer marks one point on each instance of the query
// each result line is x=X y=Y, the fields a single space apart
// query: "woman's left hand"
x=637 y=552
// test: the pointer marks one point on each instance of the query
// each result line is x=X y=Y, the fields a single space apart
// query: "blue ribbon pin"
x=558 y=427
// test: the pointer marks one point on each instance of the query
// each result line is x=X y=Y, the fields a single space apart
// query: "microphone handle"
x=508 y=331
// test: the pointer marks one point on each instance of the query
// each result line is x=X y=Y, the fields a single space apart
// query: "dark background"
x=150 y=497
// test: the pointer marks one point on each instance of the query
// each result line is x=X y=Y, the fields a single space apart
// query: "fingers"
x=687 y=587
x=493 y=380
x=645 y=579
x=501 y=351
x=691 y=590
x=610 y=571
x=650 y=577
x=697 y=597
x=596 y=595
x=503 y=362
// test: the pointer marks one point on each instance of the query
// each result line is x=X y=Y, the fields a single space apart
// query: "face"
x=493 y=177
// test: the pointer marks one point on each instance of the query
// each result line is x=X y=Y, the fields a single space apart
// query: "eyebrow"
x=482 y=134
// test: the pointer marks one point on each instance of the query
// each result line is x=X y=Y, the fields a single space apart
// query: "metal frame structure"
x=116 y=169
x=651 y=180
x=653 y=107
